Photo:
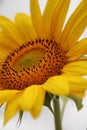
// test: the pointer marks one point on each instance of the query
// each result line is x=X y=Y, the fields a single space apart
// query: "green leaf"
x=77 y=101
x=48 y=100
x=20 y=118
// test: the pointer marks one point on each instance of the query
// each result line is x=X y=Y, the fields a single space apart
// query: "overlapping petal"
x=79 y=94
x=36 y=17
x=75 y=26
x=3 y=55
x=5 y=43
x=77 y=84
x=25 y=27
x=47 y=16
x=57 y=85
x=58 y=18
x=78 y=50
x=36 y=109
x=24 y=100
x=6 y=95
x=76 y=68
x=9 y=30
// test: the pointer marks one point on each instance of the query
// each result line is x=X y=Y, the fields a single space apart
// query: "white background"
x=73 y=120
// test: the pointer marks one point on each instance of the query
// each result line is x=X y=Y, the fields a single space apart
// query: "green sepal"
x=48 y=100
x=65 y=99
x=77 y=101
x=20 y=118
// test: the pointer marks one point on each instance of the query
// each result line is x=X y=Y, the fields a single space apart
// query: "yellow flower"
x=38 y=55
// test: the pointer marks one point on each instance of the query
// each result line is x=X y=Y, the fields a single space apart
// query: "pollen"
x=32 y=63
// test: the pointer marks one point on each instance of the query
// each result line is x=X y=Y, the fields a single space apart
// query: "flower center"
x=32 y=63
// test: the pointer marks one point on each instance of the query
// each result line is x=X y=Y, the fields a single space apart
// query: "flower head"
x=37 y=56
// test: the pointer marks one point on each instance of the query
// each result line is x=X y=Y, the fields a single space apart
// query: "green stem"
x=57 y=114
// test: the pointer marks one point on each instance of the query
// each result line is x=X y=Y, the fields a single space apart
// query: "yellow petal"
x=78 y=50
x=6 y=43
x=2 y=57
x=77 y=31
x=24 y=100
x=78 y=94
x=9 y=29
x=76 y=68
x=29 y=97
x=59 y=16
x=4 y=51
x=75 y=26
x=47 y=16
x=6 y=95
x=57 y=85
x=36 y=17
x=35 y=111
x=77 y=83
x=25 y=27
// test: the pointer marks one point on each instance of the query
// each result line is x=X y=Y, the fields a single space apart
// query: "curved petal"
x=75 y=26
x=77 y=83
x=6 y=43
x=9 y=30
x=6 y=46
x=78 y=94
x=76 y=32
x=76 y=68
x=24 y=100
x=35 y=111
x=3 y=55
x=25 y=27
x=6 y=95
x=58 y=17
x=47 y=16
x=77 y=50
x=57 y=85
x=36 y=17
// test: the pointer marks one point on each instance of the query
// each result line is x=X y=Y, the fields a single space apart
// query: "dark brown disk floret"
x=50 y=64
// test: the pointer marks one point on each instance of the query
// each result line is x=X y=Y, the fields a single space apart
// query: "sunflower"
x=38 y=55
